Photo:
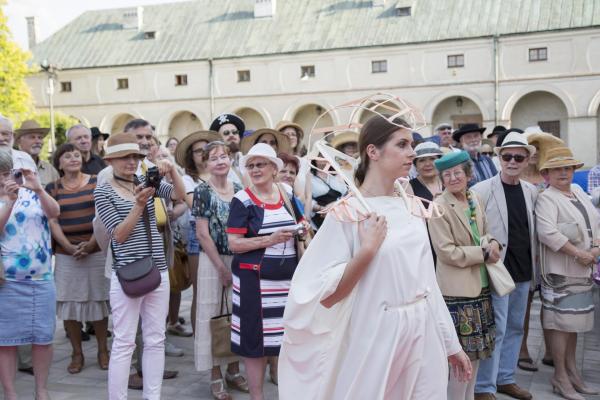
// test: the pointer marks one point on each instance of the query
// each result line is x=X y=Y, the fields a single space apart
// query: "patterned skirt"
x=567 y=303
x=474 y=323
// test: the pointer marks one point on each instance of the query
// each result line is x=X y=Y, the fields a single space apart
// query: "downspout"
x=210 y=88
x=496 y=83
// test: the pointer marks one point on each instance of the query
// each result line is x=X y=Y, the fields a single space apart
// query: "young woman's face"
x=288 y=174
x=197 y=152
x=218 y=162
x=395 y=158
x=269 y=139
x=292 y=134
x=70 y=161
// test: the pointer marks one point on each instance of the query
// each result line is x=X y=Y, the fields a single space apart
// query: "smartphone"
x=17 y=176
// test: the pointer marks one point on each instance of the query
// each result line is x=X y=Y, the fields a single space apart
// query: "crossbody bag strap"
x=287 y=203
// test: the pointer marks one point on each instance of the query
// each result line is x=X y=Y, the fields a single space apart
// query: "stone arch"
x=457 y=110
x=82 y=120
x=541 y=108
x=253 y=119
x=467 y=96
x=306 y=115
x=182 y=123
x=567 y=101
x=116 y=123
x=594 y=106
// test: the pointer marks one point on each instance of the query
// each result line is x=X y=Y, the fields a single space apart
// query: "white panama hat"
x=262 y=150
x=513 y=140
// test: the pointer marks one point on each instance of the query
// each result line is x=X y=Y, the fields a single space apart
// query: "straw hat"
x=189 y=140
x=262 y=150
x=515 y=140
x=283 y=142
x=281 y=125
x=545 y=142
x=30 y=126
x=343 y=138
x=560 y=157
x=122 y=145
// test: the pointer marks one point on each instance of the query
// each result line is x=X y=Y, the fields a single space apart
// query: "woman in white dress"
x=365 y=318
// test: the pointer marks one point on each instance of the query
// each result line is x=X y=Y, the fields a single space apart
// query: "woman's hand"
x=12 y=189
x=461 y=366
x=84 y=249
x=280 y=236
x=372 y=232
x=494 y=252
x=31 y=181
x=71 y=249
x=143 y=194
x=585 y=258
x=225 y=276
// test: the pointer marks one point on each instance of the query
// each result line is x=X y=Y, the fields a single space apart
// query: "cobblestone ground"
x=90 y=384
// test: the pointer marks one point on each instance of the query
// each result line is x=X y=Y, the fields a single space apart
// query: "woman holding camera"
x=27 y=292
x=261 y=229
x=125 y=206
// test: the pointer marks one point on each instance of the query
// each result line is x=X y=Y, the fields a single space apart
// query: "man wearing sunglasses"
x=444 y=133
x=231 y=128
x=509 y=204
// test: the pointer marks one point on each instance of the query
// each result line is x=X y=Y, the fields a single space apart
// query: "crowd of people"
x=414 y=281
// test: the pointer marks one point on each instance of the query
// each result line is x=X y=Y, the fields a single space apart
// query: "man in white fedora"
x=509 y=206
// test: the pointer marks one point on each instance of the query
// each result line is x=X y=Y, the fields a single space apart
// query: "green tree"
x=62 y=122
x=15 y=98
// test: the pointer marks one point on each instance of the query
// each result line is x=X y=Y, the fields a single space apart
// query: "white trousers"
x=126 y=311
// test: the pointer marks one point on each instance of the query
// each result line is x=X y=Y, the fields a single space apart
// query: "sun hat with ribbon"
x=30 y=126
x=428 y=149
x=283 y=142
x=122 y=145
x=452 y=159
x=558 y=157
x=262 y=150
x=189 y=140
x=514 y=140
x=343 y=138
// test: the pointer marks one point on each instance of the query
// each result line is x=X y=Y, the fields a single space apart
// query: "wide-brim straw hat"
x=30 y=126
x=283 y=142
x=281 y=125
x=189 y=140
x=560 y=157
x=343 y=138
x=544 y=141
x=122 y=145
x=515 y=140
x=262 y=150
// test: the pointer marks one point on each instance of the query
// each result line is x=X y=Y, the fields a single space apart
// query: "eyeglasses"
x=227 y=133
x=453 y=174
x=519 y=158
x=259 y=165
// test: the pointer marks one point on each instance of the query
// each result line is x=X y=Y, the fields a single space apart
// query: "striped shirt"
x=77 y=211
x=113 y=209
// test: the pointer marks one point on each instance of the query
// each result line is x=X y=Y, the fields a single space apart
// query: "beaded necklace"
x=472 y=214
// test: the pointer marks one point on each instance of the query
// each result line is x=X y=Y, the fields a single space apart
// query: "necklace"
x=77 y=185
x=472 y=213
x=395 y=193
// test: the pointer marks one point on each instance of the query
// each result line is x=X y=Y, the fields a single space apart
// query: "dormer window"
x=403 y=11
x=150 y=35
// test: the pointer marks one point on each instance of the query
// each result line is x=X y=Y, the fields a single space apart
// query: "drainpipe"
x=496 y=73
x=210 y=88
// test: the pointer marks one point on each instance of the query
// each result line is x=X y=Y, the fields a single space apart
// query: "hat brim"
x=123 y=153
x=458 y=134
x=186 y=142
x=283 y=142
x=275 y=160
x=294 y=125
x=438 y=155
x=531 y=149
x=344 y=138
x=562 y=163
x=39 y=131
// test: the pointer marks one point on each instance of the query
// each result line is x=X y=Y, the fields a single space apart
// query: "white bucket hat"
x=262 y=150
x=514 y=140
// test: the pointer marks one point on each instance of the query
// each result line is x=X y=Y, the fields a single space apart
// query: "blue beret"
x=451 y=159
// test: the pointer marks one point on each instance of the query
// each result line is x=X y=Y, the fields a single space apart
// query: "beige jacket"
x=458 y=260
x=558 y=222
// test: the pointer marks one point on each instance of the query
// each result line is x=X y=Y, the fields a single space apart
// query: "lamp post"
x=50 y=71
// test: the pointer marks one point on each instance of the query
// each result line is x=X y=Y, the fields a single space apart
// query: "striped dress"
x=261 y=278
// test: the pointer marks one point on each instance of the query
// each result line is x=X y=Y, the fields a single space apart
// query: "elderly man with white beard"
x=469 y=137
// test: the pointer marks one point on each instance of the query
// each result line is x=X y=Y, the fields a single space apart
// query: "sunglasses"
x=487 y=153
x=227 y=133
x=517 y=157
x=259 y=165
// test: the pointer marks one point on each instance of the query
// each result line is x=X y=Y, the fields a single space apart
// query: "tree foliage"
x=15 y=98
x=62 y=122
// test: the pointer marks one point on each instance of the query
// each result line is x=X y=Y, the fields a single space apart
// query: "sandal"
x=526 y=364
x=103 y=360
x=219 y=392
x=76 y=364
x=549 y=362
x=237 y=382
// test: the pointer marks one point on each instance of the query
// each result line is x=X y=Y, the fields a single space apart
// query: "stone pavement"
x=90 y=384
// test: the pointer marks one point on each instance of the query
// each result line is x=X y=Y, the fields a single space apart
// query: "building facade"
x=541 y=71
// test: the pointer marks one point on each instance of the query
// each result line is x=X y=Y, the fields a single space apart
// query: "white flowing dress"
x=389 y=339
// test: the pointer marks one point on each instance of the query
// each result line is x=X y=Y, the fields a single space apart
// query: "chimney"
x=264 y=8
x=133 y=18
x=31 y=32
x=378 y=3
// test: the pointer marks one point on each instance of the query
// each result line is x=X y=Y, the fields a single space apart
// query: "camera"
x=153 y=178
x=299 y=230
x=17 y=176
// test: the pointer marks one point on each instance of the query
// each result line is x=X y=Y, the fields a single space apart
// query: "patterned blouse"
x=25 y=242
x=207 y=204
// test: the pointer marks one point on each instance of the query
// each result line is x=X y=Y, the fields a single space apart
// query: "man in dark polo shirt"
x=81 y=137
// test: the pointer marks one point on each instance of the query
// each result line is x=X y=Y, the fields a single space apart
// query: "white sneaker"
x=179 y=330
x=172 y=351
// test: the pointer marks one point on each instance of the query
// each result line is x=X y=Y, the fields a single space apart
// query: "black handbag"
x=141 y=276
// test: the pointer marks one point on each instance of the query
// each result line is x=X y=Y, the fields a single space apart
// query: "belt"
x=416 y=300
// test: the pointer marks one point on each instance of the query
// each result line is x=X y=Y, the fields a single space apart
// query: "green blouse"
x=477 y=241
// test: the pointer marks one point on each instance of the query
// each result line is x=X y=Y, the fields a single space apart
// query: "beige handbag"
x=220 y=330
x=500 y=279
